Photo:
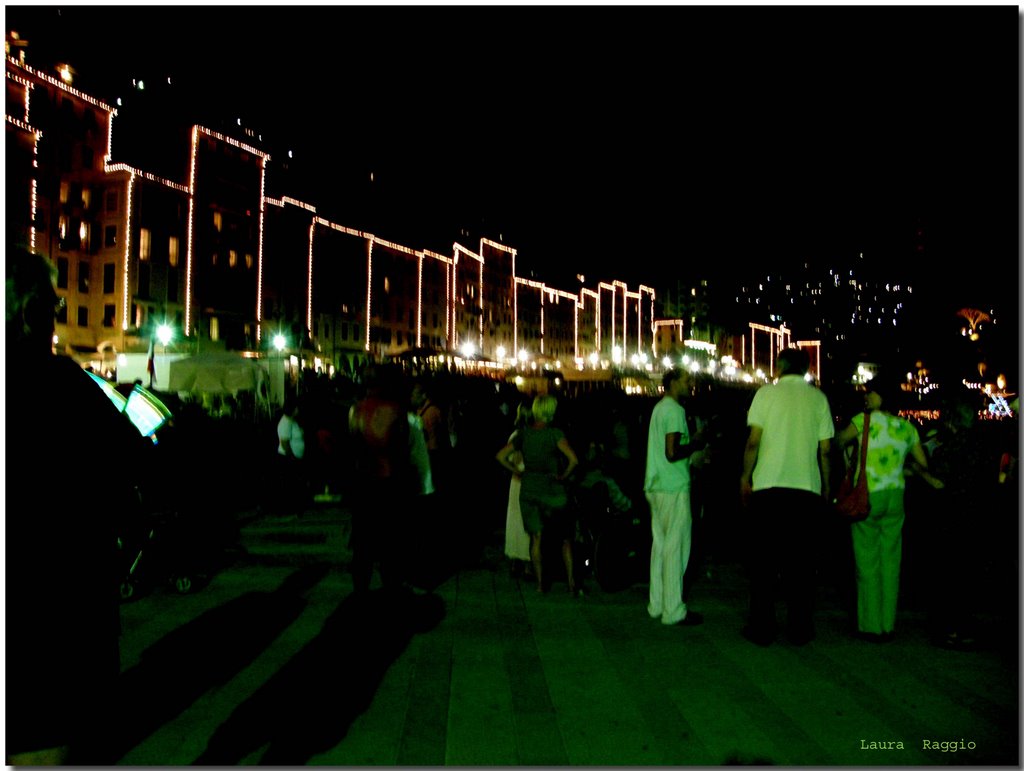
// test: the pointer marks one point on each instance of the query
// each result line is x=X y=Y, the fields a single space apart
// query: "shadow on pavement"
x=208 y=651
x=306 y=708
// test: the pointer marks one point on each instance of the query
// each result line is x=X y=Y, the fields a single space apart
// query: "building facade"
x=231 y=265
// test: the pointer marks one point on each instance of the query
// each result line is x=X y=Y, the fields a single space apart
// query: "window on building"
x=62 y=272
x=83 y=276
x=62 y=311
x=65 y=188
x=145 y=244
x=218 y=221
x=108 y=315
x=213 y=259
x=108 y=277
x=344 y=330
x=64 y=157
x=110 y=202
x=88 y=157
x=172 y=285
x=83 y=316
x=248 y=261
x=172 y=251
x=110 y=236
x=86 y=197
x=232 y=258
x=144 y=277
x=64 y=224
x=84 y=236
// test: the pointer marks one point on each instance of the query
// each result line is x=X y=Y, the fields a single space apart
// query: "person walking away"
x=878 y=540
x=543 y=498
x=62 y=605
x=784 y=484
x=384 y=481
x=667 y=489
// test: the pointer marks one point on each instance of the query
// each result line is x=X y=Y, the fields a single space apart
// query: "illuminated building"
x=231 y=263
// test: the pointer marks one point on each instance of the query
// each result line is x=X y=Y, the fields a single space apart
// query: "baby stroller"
x=611 y=545
x=151 y=552
x=150 y=536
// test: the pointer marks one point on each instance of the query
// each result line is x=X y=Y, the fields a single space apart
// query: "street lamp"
x=279 y=342
x=164 y=334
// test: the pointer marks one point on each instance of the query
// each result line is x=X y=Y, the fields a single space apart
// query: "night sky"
x=641 y=143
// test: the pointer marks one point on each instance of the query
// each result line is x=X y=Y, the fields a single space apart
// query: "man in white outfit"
x=667 y=487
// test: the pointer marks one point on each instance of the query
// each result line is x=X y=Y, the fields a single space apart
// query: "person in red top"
x=382 y=495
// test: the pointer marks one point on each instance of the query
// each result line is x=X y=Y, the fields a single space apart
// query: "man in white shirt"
x=290 y=497
x=291 y=441
x=785 y=483
x=667 y=488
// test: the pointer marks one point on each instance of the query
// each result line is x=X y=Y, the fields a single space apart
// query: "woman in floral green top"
x=878 y=540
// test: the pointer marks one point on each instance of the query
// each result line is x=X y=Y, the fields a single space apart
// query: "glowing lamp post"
x=164 y=334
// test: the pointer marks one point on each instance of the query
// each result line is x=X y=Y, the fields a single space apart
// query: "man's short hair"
x=31 y=295
x=671 y=376
x=796 y=359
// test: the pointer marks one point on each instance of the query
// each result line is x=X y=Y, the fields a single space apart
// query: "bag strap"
x=862 y=479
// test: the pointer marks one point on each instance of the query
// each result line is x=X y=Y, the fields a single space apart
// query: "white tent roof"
x=217 y=373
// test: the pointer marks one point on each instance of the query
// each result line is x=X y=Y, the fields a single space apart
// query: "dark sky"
x=632 y=142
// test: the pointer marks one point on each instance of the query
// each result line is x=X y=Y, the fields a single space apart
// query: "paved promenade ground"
x=275 y=662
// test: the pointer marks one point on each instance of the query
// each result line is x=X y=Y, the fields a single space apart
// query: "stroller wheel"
x=127 y=589
x=183 y=584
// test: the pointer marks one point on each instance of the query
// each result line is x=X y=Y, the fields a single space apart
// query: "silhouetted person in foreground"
x=69 y=471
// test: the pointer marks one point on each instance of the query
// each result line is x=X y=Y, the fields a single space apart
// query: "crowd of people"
x=672 y=457
x=781 y=448
x=424 y=462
